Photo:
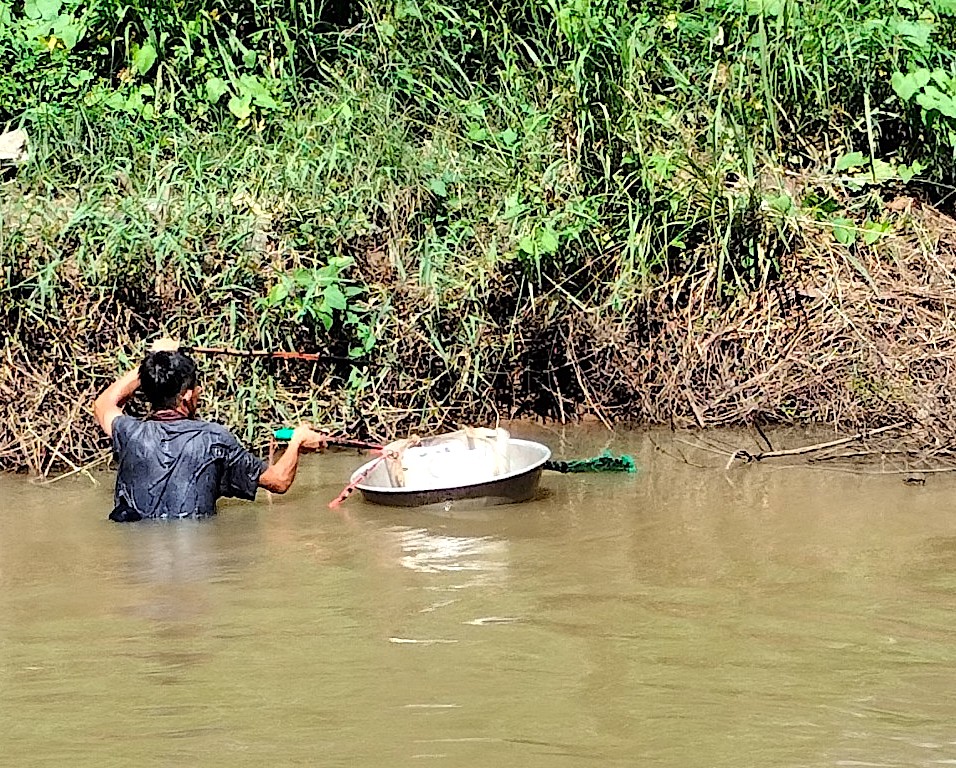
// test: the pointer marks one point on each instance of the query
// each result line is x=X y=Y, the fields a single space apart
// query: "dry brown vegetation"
x=856 y=338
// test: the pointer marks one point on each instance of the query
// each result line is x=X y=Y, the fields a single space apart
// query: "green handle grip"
x=283 y=435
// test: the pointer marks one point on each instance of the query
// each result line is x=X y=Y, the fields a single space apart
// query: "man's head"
x=168 y=380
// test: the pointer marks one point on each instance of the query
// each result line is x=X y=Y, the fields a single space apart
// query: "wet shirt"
x=178 y=468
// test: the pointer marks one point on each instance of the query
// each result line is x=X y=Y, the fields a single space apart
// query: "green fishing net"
x=606 y=462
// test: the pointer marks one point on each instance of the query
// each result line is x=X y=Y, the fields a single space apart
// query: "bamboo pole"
x=263 y=353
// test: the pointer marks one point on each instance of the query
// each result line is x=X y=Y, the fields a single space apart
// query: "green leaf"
x=241 y=106
x=874 y=230
x=143 y=58
x=69 y=30
x=437 y=186
x=781 y=203
x=252 y=86
x=134 y=104
x=851 y=160
x=908 y=85
x=877 y=172
x=508 y=137
x=42 y=9
x=661 y=166
x=338 y=263
x=80 y=78
x=334 y=297
x=844 y=231
x=907 y=172
x=216 y=88
x=944 y=7
x=277 y=294
x=941 y=79
x=513 y=207
x=934 y=99
x=765 y=7
x=917 y=32
x=116 y=100
x=476 y=132
x=548 y=241
x=403 y=10
x=49 y=9
x=882 y=172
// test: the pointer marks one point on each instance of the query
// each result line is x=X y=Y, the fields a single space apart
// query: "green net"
x=606 y=462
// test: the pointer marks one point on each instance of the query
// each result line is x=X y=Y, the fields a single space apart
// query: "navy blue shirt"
x=178 y=468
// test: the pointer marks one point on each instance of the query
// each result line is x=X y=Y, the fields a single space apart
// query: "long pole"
x=262 y=353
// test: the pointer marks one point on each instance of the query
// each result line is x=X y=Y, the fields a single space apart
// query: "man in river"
x=172 y=464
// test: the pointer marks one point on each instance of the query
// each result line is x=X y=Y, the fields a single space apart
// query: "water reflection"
x=170 y=552
x=427 y=552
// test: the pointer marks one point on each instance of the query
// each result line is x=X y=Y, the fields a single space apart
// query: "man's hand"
x=308 y=440
x=278 y=477
x=165 y=344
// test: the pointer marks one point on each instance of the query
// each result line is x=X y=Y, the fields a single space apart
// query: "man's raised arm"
x=110 y=403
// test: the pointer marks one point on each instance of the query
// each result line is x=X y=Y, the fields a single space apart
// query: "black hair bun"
x=165 y=375
x=158 y=365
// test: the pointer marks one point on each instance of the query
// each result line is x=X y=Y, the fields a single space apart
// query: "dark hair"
x=164 y=376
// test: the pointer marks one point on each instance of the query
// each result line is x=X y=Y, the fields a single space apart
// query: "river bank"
x=850 y=338
x=726 y=214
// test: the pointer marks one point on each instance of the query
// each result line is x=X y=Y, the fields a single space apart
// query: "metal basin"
x=457 y=474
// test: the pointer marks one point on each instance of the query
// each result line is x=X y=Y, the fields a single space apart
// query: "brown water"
x=679 y=617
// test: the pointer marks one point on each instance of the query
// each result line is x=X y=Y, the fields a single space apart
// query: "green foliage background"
x=430 y=185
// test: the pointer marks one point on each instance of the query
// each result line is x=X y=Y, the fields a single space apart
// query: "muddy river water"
x=683 y=616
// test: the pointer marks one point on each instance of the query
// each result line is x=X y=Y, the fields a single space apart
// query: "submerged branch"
x=747 y=456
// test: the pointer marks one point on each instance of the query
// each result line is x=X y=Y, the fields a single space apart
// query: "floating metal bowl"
x=526 y=460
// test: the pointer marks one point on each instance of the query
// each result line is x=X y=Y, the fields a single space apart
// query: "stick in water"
x=347 y=491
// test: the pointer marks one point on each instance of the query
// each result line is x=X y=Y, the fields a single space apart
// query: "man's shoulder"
x=217 y=429
x=210 y=430
x=217 y=433
x=222 y=443
x=124 y=423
